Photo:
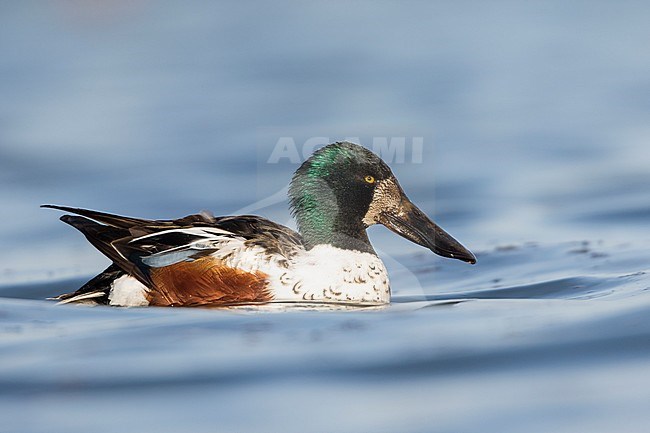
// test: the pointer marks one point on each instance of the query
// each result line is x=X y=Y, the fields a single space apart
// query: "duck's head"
x=343 y=188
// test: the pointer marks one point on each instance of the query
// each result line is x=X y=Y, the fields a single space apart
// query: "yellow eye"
x=369 y=179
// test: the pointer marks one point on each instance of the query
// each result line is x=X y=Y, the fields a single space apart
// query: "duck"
x=203 y=260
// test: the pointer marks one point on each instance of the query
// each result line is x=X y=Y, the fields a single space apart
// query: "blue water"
x=533 y=122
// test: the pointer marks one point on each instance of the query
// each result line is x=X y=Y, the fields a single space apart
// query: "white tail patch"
x=126 y=291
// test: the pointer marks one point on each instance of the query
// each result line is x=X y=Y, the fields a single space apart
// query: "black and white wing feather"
x=136 y=245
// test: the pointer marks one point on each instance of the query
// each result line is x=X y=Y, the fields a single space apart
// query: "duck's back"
x=193 y=261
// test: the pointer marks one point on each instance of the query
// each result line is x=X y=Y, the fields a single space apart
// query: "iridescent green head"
x=344 y=188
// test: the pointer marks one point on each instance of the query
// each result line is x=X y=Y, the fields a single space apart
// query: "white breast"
x=329 y=274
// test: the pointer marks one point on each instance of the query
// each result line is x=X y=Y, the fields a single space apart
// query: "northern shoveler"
x=202 y=260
